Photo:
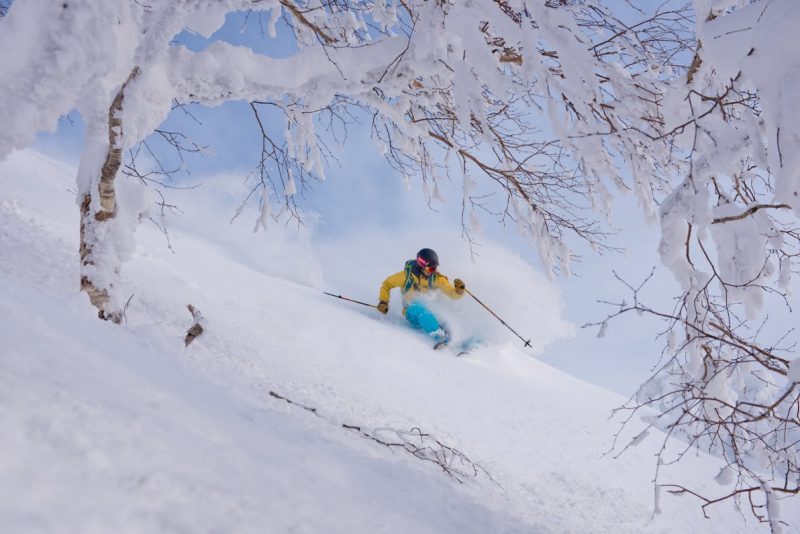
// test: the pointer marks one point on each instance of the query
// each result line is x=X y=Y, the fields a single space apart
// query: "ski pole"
x=527 y=343
x=350 y=300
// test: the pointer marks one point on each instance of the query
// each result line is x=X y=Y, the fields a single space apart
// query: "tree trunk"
x=94 y=215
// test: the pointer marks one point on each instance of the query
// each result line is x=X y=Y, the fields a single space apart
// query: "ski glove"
x=383 y=307
x=459 y=285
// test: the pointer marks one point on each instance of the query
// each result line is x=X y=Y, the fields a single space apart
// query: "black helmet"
x=427 y=259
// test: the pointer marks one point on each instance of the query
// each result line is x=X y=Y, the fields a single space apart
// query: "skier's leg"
x=414 y=312
x=422 y=318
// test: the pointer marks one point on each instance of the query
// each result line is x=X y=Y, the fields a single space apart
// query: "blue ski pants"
x=423 y=319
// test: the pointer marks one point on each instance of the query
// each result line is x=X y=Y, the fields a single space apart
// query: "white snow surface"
x=108 y=428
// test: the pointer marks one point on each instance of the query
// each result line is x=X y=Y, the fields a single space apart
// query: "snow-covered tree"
x=553 y=103
x=726 y=137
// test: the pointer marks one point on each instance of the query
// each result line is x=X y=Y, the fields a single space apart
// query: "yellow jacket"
x=411 y=283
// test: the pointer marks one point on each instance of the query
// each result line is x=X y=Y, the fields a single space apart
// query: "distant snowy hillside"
x=107 y=428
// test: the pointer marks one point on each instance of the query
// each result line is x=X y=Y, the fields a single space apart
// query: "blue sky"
x=364 y=193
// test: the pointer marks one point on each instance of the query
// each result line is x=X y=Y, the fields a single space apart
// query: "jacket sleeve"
x=395 y=280
x=446 y=287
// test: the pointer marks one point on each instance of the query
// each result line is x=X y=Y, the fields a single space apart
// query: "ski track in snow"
x=106 y=428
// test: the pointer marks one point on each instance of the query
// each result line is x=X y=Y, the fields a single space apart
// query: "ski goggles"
x=426 y=266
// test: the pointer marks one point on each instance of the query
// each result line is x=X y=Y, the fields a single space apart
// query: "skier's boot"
x=442 y=338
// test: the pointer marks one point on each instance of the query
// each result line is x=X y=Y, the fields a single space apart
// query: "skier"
x=419 y=276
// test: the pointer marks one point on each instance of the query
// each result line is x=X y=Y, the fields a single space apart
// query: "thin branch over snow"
x=421 y=445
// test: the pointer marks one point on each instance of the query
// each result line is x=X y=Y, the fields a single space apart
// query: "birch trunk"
x=99 y=271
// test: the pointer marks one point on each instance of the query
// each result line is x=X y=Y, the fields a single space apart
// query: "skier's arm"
x=447 y=288
x=395 y=280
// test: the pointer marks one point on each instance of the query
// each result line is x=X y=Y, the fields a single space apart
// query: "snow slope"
x=108 y=428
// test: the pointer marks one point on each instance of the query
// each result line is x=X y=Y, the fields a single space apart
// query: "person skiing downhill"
x=420 y=276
